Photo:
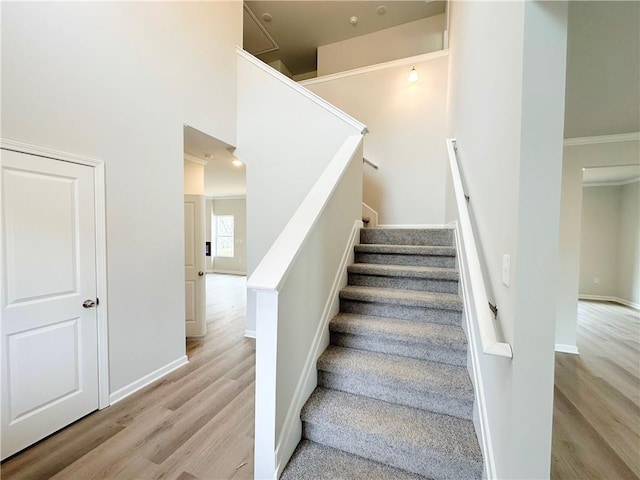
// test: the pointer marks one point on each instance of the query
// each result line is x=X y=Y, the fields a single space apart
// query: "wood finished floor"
x=195 y=423
x=596 y=425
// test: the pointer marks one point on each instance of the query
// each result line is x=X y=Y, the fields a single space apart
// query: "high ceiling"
x=603 y=68
x=299 y=27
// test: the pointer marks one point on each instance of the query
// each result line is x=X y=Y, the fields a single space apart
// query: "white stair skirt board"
x=563 y=348
x=147 y=380
x=291 y=429
x=603 y=298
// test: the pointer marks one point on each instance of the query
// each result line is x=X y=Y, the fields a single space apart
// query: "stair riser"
x=416 y=314
x=383 y=236
x=400 y=393
x=421 y=351
x=397 y=259
x=404 y=283
x=428 y=463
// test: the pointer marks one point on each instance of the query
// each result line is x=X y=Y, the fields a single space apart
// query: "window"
x=224 y=236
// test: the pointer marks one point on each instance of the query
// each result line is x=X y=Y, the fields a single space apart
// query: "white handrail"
x=490 y=343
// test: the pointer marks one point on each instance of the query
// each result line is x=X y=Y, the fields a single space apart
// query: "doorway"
x=54 y=317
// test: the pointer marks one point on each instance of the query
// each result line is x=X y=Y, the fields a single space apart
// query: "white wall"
x=238 y=208
x=575 y=158
x=507 y=80
x=599 y=240
x=193 y=178
x=116 y=81
x=407 y=139
x=406 y=40
x=629 y=246
x=610 y=242
x=286 y=139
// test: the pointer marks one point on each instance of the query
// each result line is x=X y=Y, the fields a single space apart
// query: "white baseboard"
x=604 y=298
x=292 y=427
x=146 y=380
x=250 y=333
x=564 y=348
x=229 y=272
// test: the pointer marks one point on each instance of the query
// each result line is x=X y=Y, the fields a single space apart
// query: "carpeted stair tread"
x=405 y=249
x=422 y=442
x=314 y=461
x=451 y=336
x=408 y=236
x=416 y=383
x=404 y=271
x=410 y=298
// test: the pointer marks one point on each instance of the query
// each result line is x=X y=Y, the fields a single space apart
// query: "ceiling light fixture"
x=208 y=156
x=353 y=20
x=266 y=16
x=381 y=10
x=413 y=75
x=236 y=162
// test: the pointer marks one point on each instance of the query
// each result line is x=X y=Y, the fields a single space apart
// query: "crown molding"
x=612 y=184
x=622 y=137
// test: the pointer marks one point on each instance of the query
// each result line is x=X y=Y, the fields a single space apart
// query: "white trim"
x=230 y=197
x=417 y=225
x=362 y=129
x=230 y=272
x=373 y=215
x=196 y=160
x=564 y=348
x=290 y=432
x=250 y=333
x=483 y=430
x=148 y=379
x=622 y=137
x=604 y=298
x=618 y=183
x=102 y=316
x=377 y=67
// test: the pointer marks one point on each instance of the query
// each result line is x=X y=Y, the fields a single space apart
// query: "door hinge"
x=494 y=310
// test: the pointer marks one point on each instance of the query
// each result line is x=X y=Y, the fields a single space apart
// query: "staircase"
x=394 y=399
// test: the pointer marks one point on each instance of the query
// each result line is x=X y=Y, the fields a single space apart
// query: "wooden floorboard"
x=194 y=424
x=596 y=424
x=197 y=422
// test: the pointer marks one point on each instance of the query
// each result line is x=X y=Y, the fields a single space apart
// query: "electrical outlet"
x=506 y=267
x=596 y=280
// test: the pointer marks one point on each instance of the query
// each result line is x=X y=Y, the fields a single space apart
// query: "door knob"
x=200 y=273
x=89 y=304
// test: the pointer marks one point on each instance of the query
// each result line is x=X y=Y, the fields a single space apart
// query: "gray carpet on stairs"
x=394 y=400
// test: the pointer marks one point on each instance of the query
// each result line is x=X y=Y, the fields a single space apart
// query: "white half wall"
x=117 y=81
x=506 y=90
x=407 y=139
x=406 y=40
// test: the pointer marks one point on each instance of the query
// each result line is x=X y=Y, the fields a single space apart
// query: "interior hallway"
x=195 y=423
x=596 y=424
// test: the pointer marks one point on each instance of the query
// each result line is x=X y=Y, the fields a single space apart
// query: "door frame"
x=101 y=249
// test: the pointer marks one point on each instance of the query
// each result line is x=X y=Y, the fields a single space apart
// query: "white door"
x=194 y=260
x=49 y=341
